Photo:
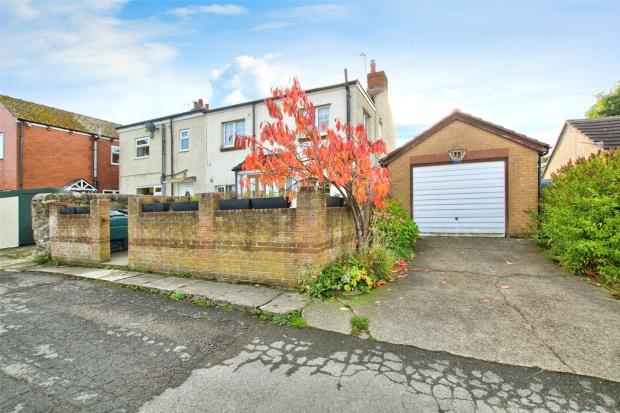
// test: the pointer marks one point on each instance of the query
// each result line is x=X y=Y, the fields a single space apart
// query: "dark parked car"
x=118 y=230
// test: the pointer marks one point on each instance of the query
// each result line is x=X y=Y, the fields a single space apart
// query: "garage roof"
x=603 y=130
x=538 y=146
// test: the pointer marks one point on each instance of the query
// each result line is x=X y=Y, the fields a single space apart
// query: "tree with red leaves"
x=291 y=147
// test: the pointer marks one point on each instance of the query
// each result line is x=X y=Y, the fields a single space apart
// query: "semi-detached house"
x=195 y=151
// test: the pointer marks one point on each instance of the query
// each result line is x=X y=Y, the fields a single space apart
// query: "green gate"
x=25 y=216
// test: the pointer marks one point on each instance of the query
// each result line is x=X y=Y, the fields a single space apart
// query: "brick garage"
x=490 y=192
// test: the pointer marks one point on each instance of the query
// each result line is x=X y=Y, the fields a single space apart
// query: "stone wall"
x=41 y=212
x=263 y=246
x=81 y=238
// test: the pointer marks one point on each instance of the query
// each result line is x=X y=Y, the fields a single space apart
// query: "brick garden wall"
x=81 y=238
x=263 y=246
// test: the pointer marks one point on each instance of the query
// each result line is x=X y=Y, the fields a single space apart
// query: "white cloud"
x=221 y=9
x=270 y=26
x=313 y=13
x=412 y=108
x=247 y=78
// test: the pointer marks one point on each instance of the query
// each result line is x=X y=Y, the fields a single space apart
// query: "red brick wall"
x=108 y=173
x=53 y=158
x=8 y=165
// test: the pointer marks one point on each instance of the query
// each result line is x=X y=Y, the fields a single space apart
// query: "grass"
x=202 y=302
x=46 y=260
x=359 y=324
x=177 y=296
x=178 y=274
x=293 y=319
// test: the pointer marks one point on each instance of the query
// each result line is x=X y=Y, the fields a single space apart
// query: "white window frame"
x=316 y=116
x=1 y=145
x=366 y=118
x=110 y=191
x=155 y=191
x=222 y=189
x=147 y=145
x=182 y=138
x=115 y=150
x=234 y=124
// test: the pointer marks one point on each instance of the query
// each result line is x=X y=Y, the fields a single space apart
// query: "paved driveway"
x=498 y=300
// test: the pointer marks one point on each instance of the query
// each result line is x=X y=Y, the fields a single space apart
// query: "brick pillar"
x=310 y=221
x=133 y=211
x=100 y=229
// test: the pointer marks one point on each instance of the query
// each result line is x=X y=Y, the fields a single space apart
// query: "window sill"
x=142 y=157
x=229 y=148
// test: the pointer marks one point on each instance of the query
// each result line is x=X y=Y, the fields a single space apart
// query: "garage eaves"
x=540 y=147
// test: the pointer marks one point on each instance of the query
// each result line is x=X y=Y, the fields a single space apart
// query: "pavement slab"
x=285 y=303
x=328 y=315
x=237 y=295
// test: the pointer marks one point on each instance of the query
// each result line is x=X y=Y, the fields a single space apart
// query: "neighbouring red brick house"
x=46 y=147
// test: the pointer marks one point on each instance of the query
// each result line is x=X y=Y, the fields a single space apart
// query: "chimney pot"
x=373 y=66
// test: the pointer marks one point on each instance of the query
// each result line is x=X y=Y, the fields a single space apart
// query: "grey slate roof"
x=604 y=130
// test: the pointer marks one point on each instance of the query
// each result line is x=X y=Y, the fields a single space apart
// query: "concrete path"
x=491 y=299
x=275 y=301
x=69 y=345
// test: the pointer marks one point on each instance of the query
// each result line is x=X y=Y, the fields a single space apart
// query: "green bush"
x=356 y=272
x=579 y=218
x=394 y=228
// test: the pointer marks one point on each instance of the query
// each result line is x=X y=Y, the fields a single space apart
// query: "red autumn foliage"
x=291 y=146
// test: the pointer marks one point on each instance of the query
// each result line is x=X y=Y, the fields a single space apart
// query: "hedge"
x=579 y=219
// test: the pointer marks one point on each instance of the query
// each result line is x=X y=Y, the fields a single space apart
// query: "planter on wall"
x=234 y=204
x=335 y=201
x=185 y=206
x=75 y=210
x=270 y=203
x=159 y=207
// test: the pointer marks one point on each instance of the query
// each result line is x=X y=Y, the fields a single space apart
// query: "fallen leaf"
x=443 y=282
x=485 y=301
x=503 y=287
x=344 y=308
x=508 y=262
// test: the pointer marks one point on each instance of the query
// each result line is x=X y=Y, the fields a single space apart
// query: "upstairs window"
x=231 y=131
x=143 y=147
x=184 y=140
x=116 y=155
x=367 y=124
x=322 y=119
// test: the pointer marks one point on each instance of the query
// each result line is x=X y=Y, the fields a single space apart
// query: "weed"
x=46 y=260
x=177 y=296
x=178 y=274
x=359 y=324
x=292 y=319
x=204 y=302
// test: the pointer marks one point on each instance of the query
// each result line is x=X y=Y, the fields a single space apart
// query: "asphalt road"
x=69 y=345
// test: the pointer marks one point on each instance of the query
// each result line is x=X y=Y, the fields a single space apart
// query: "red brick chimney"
x=199 y=104
x=377 y=81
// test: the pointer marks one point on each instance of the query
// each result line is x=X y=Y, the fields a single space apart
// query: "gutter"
x=348 y=95
x=171 y=154
x=163 y=159
x=95 y=142
x=20 y=155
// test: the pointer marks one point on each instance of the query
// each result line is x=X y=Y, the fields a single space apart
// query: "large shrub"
x=394 y=228
x=579 y=218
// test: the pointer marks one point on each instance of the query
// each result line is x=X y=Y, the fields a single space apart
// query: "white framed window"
x=184 y=140
x=367 y=124
x=143 y=147
x=1 y=145
x=231 y=131
x=110 y=191
x=224 y=188
x=322 y=119
x=149 y=190
x=115 y=155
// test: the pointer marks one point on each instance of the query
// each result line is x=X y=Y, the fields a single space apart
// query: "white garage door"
x=460 y=199
x=9 y=222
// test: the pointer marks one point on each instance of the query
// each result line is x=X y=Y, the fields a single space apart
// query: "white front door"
x=186 y=188
x=460 y=199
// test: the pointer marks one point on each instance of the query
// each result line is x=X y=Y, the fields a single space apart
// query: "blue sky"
x=527 y=65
